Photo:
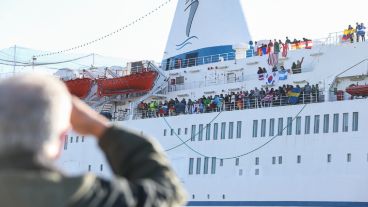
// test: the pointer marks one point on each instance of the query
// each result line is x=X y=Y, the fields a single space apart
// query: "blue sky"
x=57 y=24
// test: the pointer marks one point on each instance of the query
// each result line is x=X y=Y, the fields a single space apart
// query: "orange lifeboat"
x=134 y=83
x=358 y=90
x=79 y=87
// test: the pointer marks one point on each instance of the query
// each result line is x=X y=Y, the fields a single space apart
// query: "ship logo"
x=192 y=7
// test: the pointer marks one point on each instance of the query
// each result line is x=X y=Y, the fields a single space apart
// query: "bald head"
x=34 y=112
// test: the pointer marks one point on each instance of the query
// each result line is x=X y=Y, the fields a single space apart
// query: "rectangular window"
x=256 y=172
x=238 y=129
x=179 y=131
x=172 y=132
x=186 y=131
x=82 y=138
x=307 y=125
x=335 y=127
x=76 y=139
x=329 y=158
x=200 y=135
x=223 y=130
x=213 y=166
x=280 y=127
x=255 y=128
x=208 y=131
x=348 y=157
x=263 y=127
x=273 y=160
x=205 y=169
x=66 y=142
x=298 y=125
x=298 y=159
x=257 y=161
x=71 y=139
x=191 y=163
x=272 y=128
x=193 y=135
x=280 y=160
x=355 y=121
x=236 y=161
x=289 y=126
x=101 y=167
x=316 y=124
x=221 y=162
x=326 y=123
x=345 y=122
x=198 y=170
x=231 y=130
x=215 y=131
x=89 y=168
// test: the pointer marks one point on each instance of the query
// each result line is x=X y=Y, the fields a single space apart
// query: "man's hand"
x=85 y=120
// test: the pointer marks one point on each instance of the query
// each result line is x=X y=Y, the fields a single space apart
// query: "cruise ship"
x=243 y=125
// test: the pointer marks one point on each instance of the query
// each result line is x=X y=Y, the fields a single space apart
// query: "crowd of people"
x=256 y=98
x=358 y=32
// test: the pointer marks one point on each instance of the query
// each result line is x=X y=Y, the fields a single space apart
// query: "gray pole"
x=15 y=50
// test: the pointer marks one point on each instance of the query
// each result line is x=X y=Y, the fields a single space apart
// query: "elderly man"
x=36 y=111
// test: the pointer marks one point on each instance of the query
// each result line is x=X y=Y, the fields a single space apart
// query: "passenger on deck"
x=276 y=47
x=357 y=28
x=297 y=67
x=270 y=47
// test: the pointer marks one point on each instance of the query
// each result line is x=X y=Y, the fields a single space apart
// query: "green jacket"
x=143 y=178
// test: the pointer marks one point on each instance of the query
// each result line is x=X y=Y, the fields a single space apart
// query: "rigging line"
x=47 y=63
x=241 y=155
x=181 y=144
x=12 y=61
x=109 y=34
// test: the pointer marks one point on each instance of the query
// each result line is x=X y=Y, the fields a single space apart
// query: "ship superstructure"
x=293 y=137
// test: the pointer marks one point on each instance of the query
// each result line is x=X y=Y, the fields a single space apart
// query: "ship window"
x=256 y=172
x=66 y=142
x=193 y=135
x=289 y=126
x=257 y=161
x=82 y=138
x=223 y=130
x=326 y=123
x=198 y=170
x=172 y=132
x=345 y=122
x=280 y=159
x=193 y=196
x=223 y=196
x=348 y=157
x=200 y=135
x=71 y=139
x=186 y=131
x=191 y=163
x=329 y=158
x=205 y=169
x=355 y=121
x=222 y=162
x=101 y=167
x=77 y=139
x=165 y=132
x=208 y=131
x=307 y=125
x=335 y=127
x=215 y=131
x=89 y=168
x=179 y=131
x=231 y=130
x=316 y=124
x=263 y=127
x=298 y=125
x=208 y=196
x=280 y=127
x=238 y=129
x=255 y=128
x=273 y=160
x=236 y=161
x=240 y=172
x=213 y=166
x=298 y=159
x=272 y=127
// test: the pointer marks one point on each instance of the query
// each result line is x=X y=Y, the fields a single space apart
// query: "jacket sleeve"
x=143 y=174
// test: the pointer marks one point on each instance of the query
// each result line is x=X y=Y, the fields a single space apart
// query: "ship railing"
x=244 y=104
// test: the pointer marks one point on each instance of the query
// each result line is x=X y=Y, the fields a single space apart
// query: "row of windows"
x=66 y=141
x=206 y=161
x=90 y=168
x=307 y=125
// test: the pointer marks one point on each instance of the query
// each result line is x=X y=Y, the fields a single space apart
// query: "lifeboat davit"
x=134 y=83
x=358 y=90
x=79 y=87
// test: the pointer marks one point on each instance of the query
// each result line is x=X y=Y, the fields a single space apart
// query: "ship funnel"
x=204 y=28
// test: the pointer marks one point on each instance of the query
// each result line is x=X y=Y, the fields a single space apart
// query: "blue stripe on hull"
x=279 y=203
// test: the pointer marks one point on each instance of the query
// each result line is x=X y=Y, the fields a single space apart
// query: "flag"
x=283 y=75
x=261 y=76
x=294 y=95
x=270 y=79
